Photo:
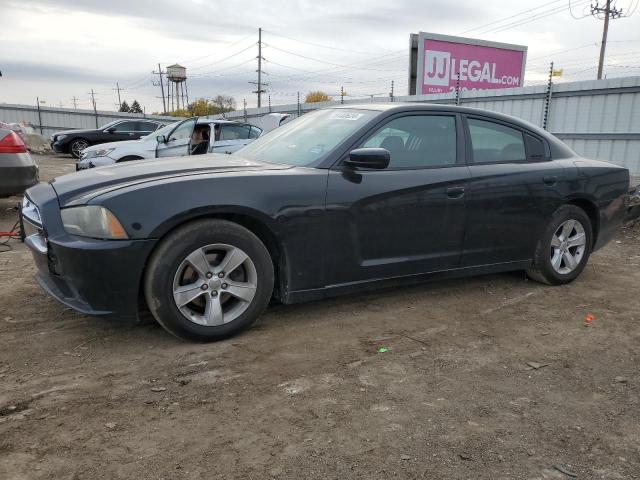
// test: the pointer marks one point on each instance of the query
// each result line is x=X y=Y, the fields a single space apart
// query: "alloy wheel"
x=215 y=284
x=568 y=245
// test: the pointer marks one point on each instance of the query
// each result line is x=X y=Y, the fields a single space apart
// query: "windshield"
x=307 y=138
x=163 y=131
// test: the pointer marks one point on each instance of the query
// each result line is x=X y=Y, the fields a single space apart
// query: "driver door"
x=178 y=143
x=408 y=218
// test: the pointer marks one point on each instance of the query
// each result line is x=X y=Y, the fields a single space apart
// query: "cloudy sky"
x=58 y=49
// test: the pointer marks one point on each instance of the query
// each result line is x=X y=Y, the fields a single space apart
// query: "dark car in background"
x=18 y=171
x=339 y=200
x=74 y=141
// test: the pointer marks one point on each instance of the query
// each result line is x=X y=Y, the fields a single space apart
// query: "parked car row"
x=194 y=136
x=339 y=200
x=75 y=141
x=98 y=145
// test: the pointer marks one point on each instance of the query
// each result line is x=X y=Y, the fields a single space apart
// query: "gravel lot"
x=305 y=394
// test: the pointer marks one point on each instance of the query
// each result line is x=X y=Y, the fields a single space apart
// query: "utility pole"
x=391 y=92
x=259 y=83
x=118 y=89
x=74 y=99
x=342 y=95
x=39 y=114
x=610 y=12
x=244 y=102
x=95 y=110
x=159 y=72
x=299 y=110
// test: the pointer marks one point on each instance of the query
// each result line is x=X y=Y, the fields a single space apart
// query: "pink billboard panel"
x=481 y=66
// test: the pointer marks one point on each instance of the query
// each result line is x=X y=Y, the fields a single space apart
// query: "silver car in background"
x=18 y=171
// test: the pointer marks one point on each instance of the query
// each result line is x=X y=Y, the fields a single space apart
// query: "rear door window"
x=146 y=127
x=125 y=127
x=235 y=132
x=495 y=143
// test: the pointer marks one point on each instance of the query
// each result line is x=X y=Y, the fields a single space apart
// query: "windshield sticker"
x=346 y=116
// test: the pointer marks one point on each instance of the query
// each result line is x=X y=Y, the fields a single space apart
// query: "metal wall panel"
x=57 y=119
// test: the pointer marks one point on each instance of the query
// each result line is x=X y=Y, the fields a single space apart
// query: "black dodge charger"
x=340 y=200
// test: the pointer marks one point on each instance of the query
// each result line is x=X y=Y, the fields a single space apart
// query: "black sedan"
x=340 y=200
x=74 y=141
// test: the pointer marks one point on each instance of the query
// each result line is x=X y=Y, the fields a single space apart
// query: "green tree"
x=135 y=107
x=124 y=107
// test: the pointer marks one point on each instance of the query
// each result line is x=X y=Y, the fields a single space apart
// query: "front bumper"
x=95 y=277
x=59 y=147
x=93 y=162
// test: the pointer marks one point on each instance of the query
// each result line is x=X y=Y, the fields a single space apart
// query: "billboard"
x=438 y=60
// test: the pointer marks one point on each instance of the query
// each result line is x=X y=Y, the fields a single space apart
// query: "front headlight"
x=101 y=152
x=57 y=138
x=92 y=221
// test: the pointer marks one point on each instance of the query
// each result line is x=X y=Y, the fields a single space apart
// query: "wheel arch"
x=127 y=158
x=590 y=208
x=246 y=218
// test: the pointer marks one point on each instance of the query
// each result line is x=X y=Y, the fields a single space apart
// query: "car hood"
x=71 y=132
x=78 y=188
x=124 y=143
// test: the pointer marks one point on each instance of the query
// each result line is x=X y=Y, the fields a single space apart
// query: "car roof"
x=218 y=121
x=399 y=107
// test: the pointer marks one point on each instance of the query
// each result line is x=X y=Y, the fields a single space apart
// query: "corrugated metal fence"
x=598 y=119
x=46 y=120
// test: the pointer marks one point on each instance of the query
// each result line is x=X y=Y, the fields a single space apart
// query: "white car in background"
x=194 y=136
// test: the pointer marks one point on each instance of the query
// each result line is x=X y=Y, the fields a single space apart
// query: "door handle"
x=455 y=192
x=550 y=180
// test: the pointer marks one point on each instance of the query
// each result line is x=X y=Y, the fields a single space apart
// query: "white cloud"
x=56 y=49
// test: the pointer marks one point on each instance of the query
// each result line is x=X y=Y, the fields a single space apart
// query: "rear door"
x=513 y=190
x=178 y=142
x=144 y=128
x=126 y=130
x=231 y=138
x=406 y=219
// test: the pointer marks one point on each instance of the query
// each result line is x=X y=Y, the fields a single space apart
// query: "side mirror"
x=161 y=139
x=376 y=158
x=111 y=129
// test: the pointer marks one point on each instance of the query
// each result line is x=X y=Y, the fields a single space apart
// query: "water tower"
x=177 y=87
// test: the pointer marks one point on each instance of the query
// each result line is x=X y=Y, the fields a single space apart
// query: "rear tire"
x=208 y=280
x=564 y=248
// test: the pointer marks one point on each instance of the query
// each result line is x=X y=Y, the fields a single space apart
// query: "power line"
x=235 y=42
x=508 y=18
x=317 y=44
x=533 y=18
x=225 y=58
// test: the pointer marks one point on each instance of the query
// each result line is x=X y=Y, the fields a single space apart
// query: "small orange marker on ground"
x=588 y=320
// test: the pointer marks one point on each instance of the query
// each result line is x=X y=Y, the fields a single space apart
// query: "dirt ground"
x=306 y=394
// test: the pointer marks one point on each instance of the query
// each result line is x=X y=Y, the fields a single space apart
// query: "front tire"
x=208 y=280
x=563 y=251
